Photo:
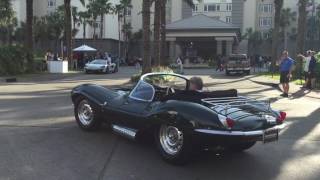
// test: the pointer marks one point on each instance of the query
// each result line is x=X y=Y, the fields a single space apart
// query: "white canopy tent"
x=84 y=48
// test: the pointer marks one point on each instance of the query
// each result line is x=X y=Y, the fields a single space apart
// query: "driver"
x=196 y=84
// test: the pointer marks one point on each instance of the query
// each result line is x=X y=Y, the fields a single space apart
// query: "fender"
x=97 y=94
x=188 y=114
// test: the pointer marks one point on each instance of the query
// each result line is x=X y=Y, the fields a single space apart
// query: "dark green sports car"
x=180 y=120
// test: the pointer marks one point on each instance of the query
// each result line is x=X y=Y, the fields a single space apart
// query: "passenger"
x=196 y=84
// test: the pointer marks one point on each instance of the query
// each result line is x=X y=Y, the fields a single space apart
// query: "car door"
x=134 y=109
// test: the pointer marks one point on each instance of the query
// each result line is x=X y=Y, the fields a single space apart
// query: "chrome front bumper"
x=238 y=133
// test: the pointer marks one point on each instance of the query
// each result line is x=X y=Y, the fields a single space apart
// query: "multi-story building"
x=219 y=9
x=258 y=15
x=45 y=7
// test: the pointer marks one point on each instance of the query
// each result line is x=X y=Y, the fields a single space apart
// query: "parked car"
x=180 y=120
x=100 y=66
x=238 y=63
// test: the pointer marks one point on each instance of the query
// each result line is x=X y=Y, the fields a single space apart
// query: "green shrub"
x=162 y=69
x=14 y=60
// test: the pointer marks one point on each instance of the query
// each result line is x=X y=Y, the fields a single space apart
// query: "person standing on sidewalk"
x=306 y=60
x=312 y=71
x=180 y=65
x=286 y=67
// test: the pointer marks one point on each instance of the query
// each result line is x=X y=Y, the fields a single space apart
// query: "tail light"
x=230 y=123
x=226 y=121
x=282 y=116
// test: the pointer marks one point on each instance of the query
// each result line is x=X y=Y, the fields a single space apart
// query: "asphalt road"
x=39 y=138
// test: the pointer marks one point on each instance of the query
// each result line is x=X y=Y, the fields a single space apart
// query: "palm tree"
x=302 y=20
x=146 y=68
x=157 y=19
x=7 y=20
x=75 y=17
x=275 y=33
x=287 y=16
x=84 y=17
x=99 y=8
x=29 y=34
x=121 y=10
x=105 y=8
x=68 y=27
x=163 y=27
x=254 y=39
x=92 y=8
x=163 y=31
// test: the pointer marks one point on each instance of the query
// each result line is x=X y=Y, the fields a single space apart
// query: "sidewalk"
x=295 y=90
x=40 y=77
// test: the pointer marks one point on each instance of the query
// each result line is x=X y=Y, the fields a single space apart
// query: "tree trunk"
x=156 y=41
x=94 y=28
x=146 y=67
x=68 y=26
x=275 y=33
x=119 y=34
x=29 y=34
x=301 y=34
x=125 y=33
x=163 y=59
x=101 y=25
x=84 y=30
x=301 y=26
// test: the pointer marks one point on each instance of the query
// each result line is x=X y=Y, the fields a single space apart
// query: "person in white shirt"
x=180 y=65
x=306 y=67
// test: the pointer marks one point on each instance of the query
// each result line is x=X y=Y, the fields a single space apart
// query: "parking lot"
x=40 y=140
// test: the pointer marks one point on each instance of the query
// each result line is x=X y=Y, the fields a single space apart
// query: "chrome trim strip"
x=238 y=133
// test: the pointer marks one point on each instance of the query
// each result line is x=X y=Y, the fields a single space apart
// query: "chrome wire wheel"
x=171 y=139
x=85 y=112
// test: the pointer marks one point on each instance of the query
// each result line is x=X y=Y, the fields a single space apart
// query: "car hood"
x=94 y=66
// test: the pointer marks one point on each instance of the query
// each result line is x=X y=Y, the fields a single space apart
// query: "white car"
x=100 y=66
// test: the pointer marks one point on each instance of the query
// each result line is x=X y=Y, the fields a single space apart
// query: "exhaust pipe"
x=124 y=131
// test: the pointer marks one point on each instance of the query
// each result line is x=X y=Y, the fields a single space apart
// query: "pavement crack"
x=105 y=166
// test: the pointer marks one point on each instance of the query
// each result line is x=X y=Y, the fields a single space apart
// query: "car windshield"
x=98 y=61
x=167 y=80
x=237 y=58
x=143 y=92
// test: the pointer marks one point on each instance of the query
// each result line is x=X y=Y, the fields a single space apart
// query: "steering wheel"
x=170 y=90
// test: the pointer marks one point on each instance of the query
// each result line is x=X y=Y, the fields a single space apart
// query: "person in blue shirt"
x=286 y=67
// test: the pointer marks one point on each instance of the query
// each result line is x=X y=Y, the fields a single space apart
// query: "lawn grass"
x=276 y=76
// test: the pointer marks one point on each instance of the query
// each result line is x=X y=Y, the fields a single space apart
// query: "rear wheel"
x=86 y=114
x=247 y=72
x=227 y=72
x=173 y=144
x=241 y=146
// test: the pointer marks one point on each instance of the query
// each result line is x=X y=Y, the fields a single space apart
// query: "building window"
x=266 y=8
x=228 y=19
x=211 y=7
x=229 y=7
x=265 y=21
x=51 y=3
x=195 y=8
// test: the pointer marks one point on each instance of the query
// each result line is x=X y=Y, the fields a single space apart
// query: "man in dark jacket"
x=312 y=70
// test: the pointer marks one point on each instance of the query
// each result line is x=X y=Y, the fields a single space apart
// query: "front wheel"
x=86 y=114
x=173 y=144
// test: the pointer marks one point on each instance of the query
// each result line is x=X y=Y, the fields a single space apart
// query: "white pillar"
x=219 y=47
x=229 y=47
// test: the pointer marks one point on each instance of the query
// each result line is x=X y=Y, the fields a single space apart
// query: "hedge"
x=14 y=60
